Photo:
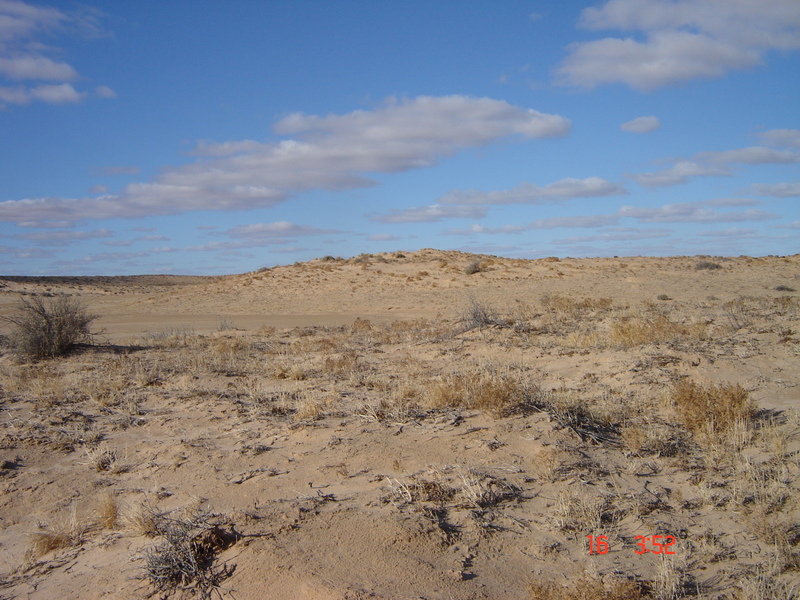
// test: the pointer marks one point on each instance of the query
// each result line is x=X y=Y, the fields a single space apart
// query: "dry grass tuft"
x=712 y=410
x=631 y=332
x=107 y=511
x=67 y=533
x=497 y=393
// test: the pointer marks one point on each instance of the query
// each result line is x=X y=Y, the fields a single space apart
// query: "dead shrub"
x=712 y=409
x=47 y=328
x=477 y=315
x=184 y=559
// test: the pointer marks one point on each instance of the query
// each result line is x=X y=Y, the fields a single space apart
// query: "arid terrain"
x=428 y=425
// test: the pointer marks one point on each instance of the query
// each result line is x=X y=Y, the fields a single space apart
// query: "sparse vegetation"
x=519 y=412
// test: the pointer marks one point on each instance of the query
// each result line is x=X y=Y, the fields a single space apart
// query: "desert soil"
x=399 y=426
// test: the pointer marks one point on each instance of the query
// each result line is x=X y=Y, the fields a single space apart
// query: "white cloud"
x=777 y=190
x=690 y=212
x=641 y=125
x=736 y=232
x=782 y=137
x=432 y=213
x=683 y=40
x=753 y=155
x=14 y=95
x=62 y=238
x=20 y=20
x=36 y=67
x=731 y=202
x=706 y=164
x=678 y=173
x=103 y=91
x=529 y=193
x=57 y=94
x=117 y=170
x=382 y=237
x=333 y=152
x=473 y=229
x=553 y=223
x=589 y=221
x=278 y=229
x=24 y=58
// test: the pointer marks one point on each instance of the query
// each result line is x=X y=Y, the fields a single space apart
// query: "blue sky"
x=207 y=137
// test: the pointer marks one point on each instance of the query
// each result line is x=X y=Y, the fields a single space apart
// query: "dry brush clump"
x=638 y=331
x=712 y=410
x=49 y=327
x=496 y=392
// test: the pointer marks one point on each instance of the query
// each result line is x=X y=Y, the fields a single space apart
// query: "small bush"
x=49 y=328
x=478 y=314
x=713 y=409
x=784 y=288
x=707 y=265
x=473 y=267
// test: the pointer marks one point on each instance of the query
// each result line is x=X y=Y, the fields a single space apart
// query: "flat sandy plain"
x=390 y=426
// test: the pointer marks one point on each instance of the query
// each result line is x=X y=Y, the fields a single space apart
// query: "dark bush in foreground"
x=46 y=328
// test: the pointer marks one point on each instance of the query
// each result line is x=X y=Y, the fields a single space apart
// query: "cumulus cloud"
x=641 y=125
x=529 y=193
x=680 y=40
x=335 y=152
x=690 y=212
x=24 y=58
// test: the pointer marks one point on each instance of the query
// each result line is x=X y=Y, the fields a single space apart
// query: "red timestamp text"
x=657 y=544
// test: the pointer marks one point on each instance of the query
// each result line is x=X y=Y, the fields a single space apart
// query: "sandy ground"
x=391 y=426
